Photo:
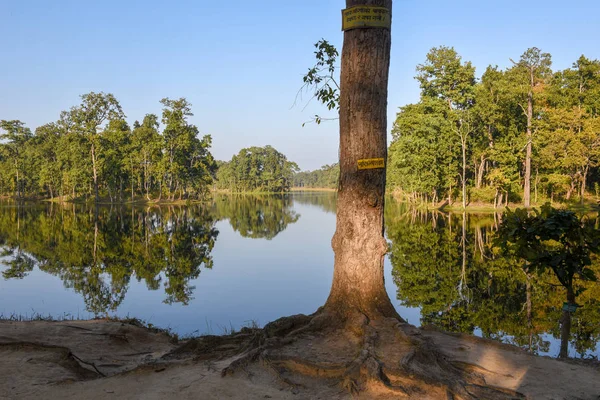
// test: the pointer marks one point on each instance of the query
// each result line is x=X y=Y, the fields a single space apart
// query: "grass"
x=35 y=316
x=140 y=323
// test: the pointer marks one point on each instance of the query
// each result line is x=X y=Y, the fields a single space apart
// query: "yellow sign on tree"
x=366 y=17
x=371 y=163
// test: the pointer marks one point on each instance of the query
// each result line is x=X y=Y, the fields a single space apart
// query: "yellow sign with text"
x=366 y=17
x=371 y=163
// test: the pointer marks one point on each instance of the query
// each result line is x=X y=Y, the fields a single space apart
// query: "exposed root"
x=217 y=347
x=61 y=356
x=388 y=355
x=385 y=355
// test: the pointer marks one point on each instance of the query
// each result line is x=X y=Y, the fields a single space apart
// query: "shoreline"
x=96 y=359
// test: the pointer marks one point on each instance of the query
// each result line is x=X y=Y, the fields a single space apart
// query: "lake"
x=244 y=260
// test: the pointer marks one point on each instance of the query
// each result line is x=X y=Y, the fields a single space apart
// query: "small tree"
x=554 y=239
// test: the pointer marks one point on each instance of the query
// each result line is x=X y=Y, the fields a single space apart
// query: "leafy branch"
x=320 y=79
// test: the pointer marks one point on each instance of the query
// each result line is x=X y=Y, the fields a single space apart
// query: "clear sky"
x=240 y=63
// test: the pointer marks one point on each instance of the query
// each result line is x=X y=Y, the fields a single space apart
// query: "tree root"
x=384 y=356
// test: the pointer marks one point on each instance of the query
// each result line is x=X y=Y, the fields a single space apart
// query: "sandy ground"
x=114 y=360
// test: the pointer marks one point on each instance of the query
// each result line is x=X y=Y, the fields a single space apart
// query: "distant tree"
x=325 y=177
x=146 y=152
x=443 y=76
x=16 y=138
x=527 y=78
x=88 y=119
x=47 y=142
x=187 y=162
x=257 y=169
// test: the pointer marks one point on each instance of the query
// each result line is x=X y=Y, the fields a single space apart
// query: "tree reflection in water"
x=446 y=265
x=96 y=252
x=256 y=217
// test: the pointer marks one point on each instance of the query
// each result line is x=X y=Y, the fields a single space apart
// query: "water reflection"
x=96 y=253
x=256 y=217
x=326 y=201
x=442 y=265
x=445 y=264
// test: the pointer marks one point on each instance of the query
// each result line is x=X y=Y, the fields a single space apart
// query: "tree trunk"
x=571 y=189
x=584 y=182
x=565 y=328
x=95 y=173
x=463 y=142
x=18 y=182
x=527 y=183
x=121 y=190
x=480 y=171
x=529 y=308
x=537 y=177
x=358 y=243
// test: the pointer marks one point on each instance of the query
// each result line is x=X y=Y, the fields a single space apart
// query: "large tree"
x=528 y=76
x=357 y=336
x=358 y=242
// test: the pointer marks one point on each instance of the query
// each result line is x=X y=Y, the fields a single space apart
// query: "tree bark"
x=95 y=174
x=463 y=142
x=480 y=172
x=529 y=307
x=358 y=243
x=565 y=329
x=18 y=186
x=527 y=183
x=584 y=182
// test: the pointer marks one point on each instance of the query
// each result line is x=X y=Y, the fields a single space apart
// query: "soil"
x=101 y=359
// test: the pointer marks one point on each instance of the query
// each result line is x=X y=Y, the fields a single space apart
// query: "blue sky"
x=240 y=63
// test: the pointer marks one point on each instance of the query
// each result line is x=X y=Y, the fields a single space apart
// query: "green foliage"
x=91 y=149
x=449 y=266
x=320 y=79
x=550 y=238
x=423 y=157
x=488 y=119
x=326 y=177
x=97 y=253
x=257 y=169
x=256 y=217
x=444 y=76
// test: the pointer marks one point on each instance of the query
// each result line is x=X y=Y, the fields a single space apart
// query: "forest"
x=92 y=152
x=525 y=134
x=257 y=169
x=522 y=135
x=324 y=178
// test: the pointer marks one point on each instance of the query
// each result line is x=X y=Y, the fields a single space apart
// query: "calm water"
x=246 y=259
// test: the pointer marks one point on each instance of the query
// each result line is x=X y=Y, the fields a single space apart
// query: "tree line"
x=525 y=134
x=92 y=151
x=257 y=169
x=521 y=134
x=325 y=178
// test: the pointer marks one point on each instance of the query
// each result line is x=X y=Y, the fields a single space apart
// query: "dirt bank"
x=107 y=359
